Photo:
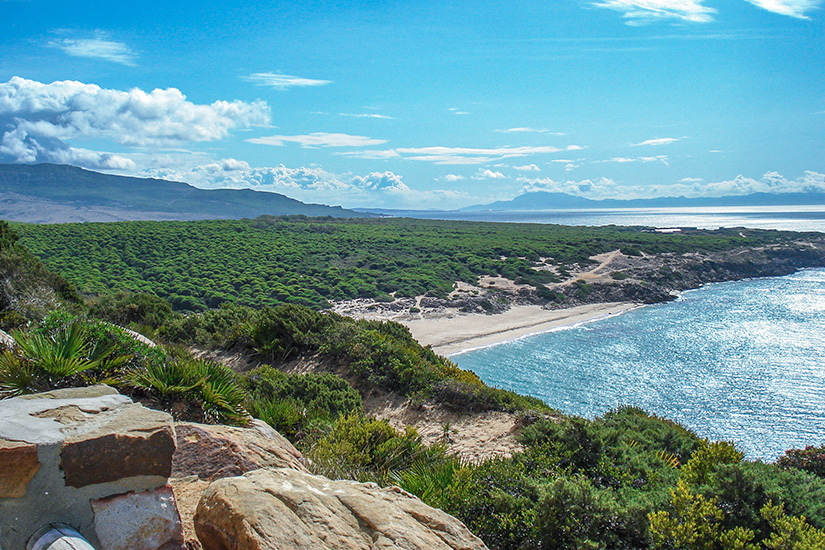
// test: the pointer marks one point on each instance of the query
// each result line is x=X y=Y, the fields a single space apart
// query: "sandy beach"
x=449 y=335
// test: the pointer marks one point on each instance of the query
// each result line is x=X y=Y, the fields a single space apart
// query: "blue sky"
x=422 y=104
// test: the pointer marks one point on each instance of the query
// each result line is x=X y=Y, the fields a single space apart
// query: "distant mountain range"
x=56 y=193
x=544 y=200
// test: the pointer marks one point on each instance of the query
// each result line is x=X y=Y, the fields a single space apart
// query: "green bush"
x=292 y=403
x=126 y=308
x=366 y=449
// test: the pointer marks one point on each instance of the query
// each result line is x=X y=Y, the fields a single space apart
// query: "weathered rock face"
x=287 y=509
x=19 y=464
x=68 y=455
x=213 y=452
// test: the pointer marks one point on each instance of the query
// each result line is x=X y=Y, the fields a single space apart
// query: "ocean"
x=789 y=218
x=739 y=361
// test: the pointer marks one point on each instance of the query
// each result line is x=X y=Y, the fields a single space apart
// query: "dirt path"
x=594 y=274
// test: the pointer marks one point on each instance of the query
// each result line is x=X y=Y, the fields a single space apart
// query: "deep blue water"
x=741 y=361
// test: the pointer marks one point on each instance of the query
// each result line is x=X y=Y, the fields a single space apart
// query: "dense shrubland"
x=626 y=480
x=269 y=261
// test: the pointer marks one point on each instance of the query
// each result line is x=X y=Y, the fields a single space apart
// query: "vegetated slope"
x=625 y=480
x=52 y=193
x=273 y=260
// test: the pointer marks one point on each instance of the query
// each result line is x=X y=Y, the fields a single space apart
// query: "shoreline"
x=452 y=335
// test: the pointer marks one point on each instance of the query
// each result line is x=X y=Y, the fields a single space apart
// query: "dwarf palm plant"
x=67 y=356
x=209 y=385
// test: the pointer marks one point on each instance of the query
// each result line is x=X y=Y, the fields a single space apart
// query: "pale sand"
x=449 y=335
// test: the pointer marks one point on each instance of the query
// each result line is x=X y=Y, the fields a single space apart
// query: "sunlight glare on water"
x=741 y=361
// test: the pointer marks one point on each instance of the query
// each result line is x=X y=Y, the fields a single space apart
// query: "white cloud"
x=457 y=111
x=527 y=168
x=657 y=141
x=453 y=177
x=527 y=129
x=792 y=8
x=381 y=181
x=622 y=160
x=366 y=115
x=283 y=81
x=489 y=175
x=38 y=119
x=319 y=139
x=601 y=188
x=593 y=188
x=460 y=155
x=644 y=11
x=99 y=47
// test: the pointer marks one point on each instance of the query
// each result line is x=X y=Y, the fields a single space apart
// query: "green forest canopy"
x=294 y=259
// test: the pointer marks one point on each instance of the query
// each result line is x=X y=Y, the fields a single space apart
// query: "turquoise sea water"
x=741 y=361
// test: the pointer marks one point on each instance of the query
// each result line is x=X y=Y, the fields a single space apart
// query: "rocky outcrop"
x=89 y=458
x=291 y=510
x=212 y=452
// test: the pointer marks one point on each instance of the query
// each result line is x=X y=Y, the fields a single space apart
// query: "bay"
x=740 y=361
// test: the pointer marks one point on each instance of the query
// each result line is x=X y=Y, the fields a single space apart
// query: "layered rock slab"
x=212 y=452
x=288 y=509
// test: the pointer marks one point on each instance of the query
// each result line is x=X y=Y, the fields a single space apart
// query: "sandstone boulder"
x=213 y=452
x=287 y=509
x=70 y=454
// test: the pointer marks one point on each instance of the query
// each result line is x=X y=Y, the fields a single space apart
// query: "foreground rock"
x=290 y=510
x=92 y=459
x=209 y=452
x=212 y=452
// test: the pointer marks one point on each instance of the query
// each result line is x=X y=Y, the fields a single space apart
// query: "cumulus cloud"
x=453 y=177
x=319 y=139
x=638 y=12
x=527 y=168
x=771 y=182
x=489 y=175
x=792 y=8
x=100 y=47
x=593 y=188
x=283 y=82
x=601 y=188
x=381 y=181
x=460 y=155
x=657 y=141
x=38 y=120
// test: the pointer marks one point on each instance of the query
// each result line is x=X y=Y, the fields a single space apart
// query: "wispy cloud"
x=458 y=111
x=527 y=168
x=99 y=47
x=366 y=115
x=319 y=139
x=638 y=12
x=644 y=160
x=791 y=8
x=526 y=129
x=657 y=141
x=453 y=177
x=459 y=155
x=283 y=81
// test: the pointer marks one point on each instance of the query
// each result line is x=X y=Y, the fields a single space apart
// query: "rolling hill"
x=53 y=193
